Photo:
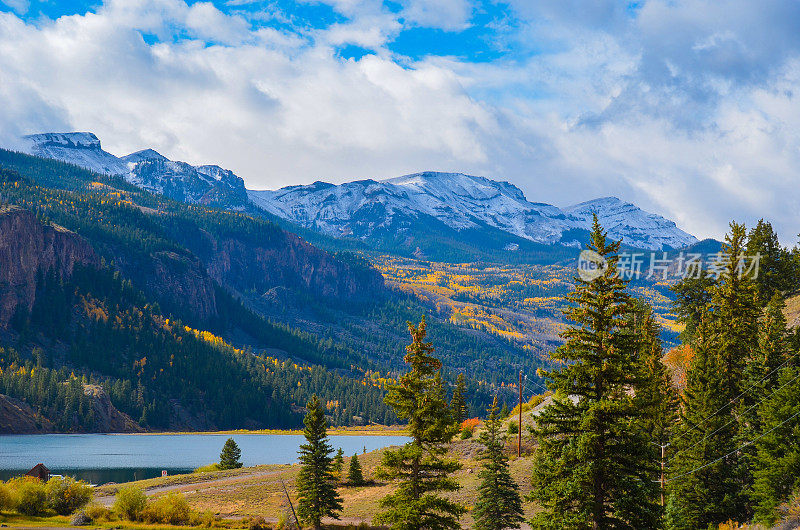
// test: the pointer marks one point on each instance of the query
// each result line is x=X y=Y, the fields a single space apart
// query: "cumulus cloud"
x=449 y=15
x=685 y=108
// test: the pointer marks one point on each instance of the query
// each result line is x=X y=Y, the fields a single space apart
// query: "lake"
x=102 y=458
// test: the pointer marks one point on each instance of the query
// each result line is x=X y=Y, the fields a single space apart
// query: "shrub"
x=130 y=503
x=205 y=519
x=6 y=499
x=466 y=433
x=170 y=509
x=208 y=469
x=257 y=523
x=65 y=495
x=513 y=428
x=30 y=497
x=80 y=519
x=471 y=424
x=98 y=513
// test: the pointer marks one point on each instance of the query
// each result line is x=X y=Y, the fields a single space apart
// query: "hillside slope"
x=226 y=296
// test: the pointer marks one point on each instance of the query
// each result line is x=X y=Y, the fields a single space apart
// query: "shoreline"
x=395 y=430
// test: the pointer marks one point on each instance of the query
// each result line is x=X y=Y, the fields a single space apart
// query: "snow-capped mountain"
x=147 y=169
x=484 y=213
x=363 y=209
x=635 y=226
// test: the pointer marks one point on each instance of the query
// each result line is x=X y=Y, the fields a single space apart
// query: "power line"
x=748 y=409
x=732 y=401
x=737 y=449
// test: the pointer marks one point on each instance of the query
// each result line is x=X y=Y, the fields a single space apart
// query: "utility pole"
x=663 y=481
x=519 y=431
x=663 y=478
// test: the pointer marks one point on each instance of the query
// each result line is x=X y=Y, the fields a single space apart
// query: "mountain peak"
x=144 y=154
x=600 y=201
x=74 y=140
x=626 y=221
x=147 y=169
x=370 y=209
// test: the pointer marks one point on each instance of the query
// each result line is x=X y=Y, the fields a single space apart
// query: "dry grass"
x=249 y=492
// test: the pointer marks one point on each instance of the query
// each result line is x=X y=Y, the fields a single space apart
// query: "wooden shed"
x=39 y=471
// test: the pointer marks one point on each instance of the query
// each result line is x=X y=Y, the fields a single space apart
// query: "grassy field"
x=238 y=495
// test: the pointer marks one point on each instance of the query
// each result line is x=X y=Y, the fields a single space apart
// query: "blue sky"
x=685 y=107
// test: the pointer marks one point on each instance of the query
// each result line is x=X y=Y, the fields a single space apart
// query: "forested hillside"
x=288 y=319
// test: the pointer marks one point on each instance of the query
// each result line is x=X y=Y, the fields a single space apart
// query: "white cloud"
x=686 y=111
x=19 y=6
x=448 y=15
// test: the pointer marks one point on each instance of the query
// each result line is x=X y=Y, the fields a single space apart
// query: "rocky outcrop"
x=177 y=281
x=29 y=249
x=286 y=260
x=17 y=417
x=107 y=417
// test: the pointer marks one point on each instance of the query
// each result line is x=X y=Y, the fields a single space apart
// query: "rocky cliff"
x=17 y=417
x=29 y=249
x=108 y=418
x=286 y=260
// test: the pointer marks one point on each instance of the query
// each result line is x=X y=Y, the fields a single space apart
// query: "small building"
x=39 y=471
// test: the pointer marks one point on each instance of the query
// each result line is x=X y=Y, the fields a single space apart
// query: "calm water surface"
x=101 y=458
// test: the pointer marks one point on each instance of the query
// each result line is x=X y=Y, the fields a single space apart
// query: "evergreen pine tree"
x=776 y=272
x=499 y=504
x=458 y=405
x=419 y=467
x=230 y=455
x=355 y=477
x=593 y=469
x=777 y=458
x=655 y=396
x=734 y=310
x=692 y=300
x=316 y=484
x=504 y=412
x=338 y=464
x=762 y=373
x=704 y=469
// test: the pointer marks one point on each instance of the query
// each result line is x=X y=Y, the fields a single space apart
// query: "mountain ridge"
x=462 y=202
x=459 y=207
x=146 y=168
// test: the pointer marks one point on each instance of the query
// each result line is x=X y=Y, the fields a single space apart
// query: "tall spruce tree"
x=655 y=396
x=777 y=273
x=316 y=483
x=773 y=348
x=734 y=309
x=458 y=405
x=704 y=470
x=593 y=468
x=777 y=458
x=762 y=371
x=709 y=477
x=499 y=504
x=419 y=468
x=692 y=300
